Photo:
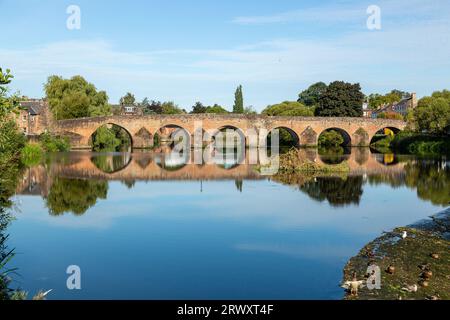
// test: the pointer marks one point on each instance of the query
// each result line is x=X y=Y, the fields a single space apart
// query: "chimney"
x=413 y=100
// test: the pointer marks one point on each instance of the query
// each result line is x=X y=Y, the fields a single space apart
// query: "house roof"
x=392 y=106
x=34 y=107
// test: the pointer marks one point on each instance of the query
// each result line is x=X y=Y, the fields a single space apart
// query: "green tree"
x=8 y=105
x=216 y=109
x=170 y=107
x=144 y=105
x=250 y=110
x=330 y=138
x=153 y=107
x=75 y=98
x=289 y=108
x=11 y=140
x=310 y=97
x=432 y=114
x=104 y=139
x=199 y=108
x=128 y=99
x=341 y=99
x=238 y=106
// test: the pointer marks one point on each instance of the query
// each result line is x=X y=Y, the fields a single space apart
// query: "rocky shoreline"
x=414 y=263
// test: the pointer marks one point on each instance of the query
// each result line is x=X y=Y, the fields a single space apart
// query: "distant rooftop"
x=33 y=106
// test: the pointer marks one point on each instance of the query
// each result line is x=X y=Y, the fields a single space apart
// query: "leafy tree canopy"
x=216 y=109
x=128 y=99
x=289 y=108
x=7 y=104
x=330 y=138
x=310 y=97
x=170 y=107
x=11 y=140
x=75 y=98
x=198 y=108
x=432 y=114
x=341 y=99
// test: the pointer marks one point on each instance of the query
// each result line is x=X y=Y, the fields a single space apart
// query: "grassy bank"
x=413 y=143
x=33 y=152
x=421 y=144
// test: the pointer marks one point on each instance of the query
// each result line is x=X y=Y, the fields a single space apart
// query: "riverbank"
x=414 y=267
x=413 y=143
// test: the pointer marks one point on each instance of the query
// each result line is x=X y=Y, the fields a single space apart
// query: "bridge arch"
x=345 y=135
x=168 y=133
x=109 y=125
x=287 y=136
x=242 y=141
x=384 y=132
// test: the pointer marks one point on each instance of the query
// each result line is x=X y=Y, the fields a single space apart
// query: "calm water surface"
x=143 y=226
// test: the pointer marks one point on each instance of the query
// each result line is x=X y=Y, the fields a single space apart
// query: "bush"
x=331 y=138
x=11 y=140
x=390 y=115
x=420 y=144
x=382 y=143
x=289 y=108
x=52 y=143
x=31 y=154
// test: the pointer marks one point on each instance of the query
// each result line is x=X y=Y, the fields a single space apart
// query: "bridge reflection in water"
x=173 y=166
x=72 y=182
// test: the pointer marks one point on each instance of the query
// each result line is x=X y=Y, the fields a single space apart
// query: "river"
x=143 y=226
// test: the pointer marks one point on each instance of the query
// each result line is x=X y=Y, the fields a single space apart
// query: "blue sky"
x=187 y=51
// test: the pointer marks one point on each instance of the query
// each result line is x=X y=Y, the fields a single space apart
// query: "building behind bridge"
x=34 y=117
x=402 y=107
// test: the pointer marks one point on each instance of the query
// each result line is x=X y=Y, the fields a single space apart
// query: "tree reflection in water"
x=337 y=191
x=431 y=179
x=334 y=155
x=74 y=195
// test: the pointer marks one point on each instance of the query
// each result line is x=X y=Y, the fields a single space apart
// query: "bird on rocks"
x=412 y=288
x=353 y=286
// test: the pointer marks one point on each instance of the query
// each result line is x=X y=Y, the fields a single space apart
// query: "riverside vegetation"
x=13 y=148
x=428 y=128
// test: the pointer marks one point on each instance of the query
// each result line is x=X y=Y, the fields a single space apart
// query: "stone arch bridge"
x=306 y=130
